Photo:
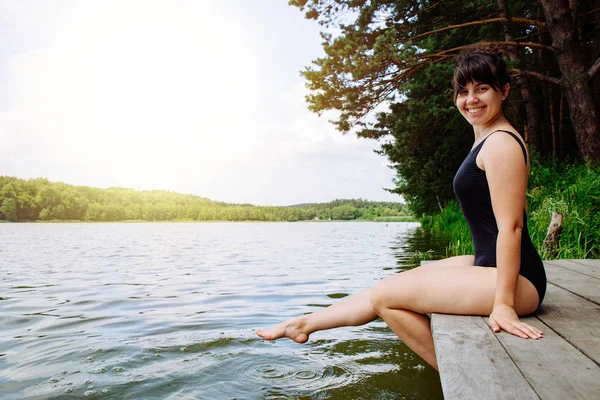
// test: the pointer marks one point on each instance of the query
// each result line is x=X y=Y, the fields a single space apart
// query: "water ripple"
x=167 y=311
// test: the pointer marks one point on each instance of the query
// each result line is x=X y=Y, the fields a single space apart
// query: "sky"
x=201 y=97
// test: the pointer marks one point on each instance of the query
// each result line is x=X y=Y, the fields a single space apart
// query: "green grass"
x=451 y=222
x=574 y=191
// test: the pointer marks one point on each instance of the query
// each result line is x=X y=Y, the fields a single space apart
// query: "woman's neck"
x=481 y=131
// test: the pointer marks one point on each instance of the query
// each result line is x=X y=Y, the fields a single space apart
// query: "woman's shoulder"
x=505 y=143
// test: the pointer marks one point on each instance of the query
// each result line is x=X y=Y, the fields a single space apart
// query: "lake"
x=168 y=310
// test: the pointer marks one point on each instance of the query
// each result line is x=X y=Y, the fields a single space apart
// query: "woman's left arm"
x=506 y=172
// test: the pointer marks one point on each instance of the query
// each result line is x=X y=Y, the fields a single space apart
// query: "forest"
x=40 y=199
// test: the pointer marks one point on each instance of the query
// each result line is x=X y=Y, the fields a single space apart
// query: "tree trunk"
x=596 y=79
x=533 y=126
x=559 y=22
x=550 y=245
x=544 y=62
x=561 y=128
x=553 y=127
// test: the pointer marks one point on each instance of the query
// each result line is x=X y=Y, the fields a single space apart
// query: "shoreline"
x=384 y=219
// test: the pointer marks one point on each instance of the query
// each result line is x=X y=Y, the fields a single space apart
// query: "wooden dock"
x=476 y=363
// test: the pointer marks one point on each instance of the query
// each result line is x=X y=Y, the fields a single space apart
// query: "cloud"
x=306 y=159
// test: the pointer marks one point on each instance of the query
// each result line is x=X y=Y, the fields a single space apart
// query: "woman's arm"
x=506 y=172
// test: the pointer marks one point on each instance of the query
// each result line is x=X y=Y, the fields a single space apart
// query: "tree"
x=8 y=210
x=8 y=191
x=47 y=197
x=25 y=206
x=74 y=203
x=430 y=140
x=59 y=212
x=46 y=214
x=576 y=75
x=344 y=212
x=533 y=125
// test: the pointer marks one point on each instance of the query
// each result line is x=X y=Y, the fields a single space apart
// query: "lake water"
x=168 y=311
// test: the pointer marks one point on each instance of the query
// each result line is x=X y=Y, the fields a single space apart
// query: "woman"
x=490 y=186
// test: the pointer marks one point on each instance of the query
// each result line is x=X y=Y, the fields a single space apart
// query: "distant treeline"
x=39 y=199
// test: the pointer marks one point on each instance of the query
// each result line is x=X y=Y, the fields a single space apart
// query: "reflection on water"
x=169 y=310
x=416 y=244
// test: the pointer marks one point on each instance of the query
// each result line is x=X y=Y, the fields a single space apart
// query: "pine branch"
x=523 y=21
x=432 y=6
x=507 y=44
x=443 y=18
x=537 y=75
x=590 y=13
x=528 y=36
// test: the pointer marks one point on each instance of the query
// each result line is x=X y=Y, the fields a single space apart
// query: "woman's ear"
x=505 y=91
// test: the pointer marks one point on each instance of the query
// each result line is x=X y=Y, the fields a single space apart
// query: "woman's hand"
x=504 y=317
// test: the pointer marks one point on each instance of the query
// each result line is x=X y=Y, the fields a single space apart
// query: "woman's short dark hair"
x=480 y=63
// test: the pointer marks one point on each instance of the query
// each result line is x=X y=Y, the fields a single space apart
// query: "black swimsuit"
x=473 y=192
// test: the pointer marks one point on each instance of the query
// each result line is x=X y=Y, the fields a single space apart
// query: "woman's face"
x=479 y=103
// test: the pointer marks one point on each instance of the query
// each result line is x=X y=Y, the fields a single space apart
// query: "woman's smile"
x=475 y=110
x=479 y=103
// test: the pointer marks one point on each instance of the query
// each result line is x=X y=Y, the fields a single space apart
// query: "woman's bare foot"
x=293 y=329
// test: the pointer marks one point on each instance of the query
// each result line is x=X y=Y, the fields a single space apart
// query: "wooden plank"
x=472 y=362
x=581 y=266
x=574 y=318
x=554 y=368
x=588 y=261
x=584 y=285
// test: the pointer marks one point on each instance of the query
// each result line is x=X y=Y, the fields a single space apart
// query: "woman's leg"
x=403 y=300
x=350 y=311
x=414 y=330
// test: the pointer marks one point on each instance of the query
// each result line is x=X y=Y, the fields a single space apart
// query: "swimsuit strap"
x=514 y=136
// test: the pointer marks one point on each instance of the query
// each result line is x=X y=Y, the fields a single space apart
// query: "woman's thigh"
x=451 y=261
x=453 y=289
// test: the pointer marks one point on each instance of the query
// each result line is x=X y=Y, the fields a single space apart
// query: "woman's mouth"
x=475 y=110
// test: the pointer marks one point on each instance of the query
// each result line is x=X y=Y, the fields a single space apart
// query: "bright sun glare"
x=196 y=96
x=141 y=85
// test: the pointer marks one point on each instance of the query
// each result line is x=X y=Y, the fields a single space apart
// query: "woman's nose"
x=472 y=98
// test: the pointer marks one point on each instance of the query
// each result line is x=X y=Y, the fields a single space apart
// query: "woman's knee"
x=391 y=292
x=377 y=299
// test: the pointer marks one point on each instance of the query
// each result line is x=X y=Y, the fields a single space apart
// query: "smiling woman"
x=505 y=277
